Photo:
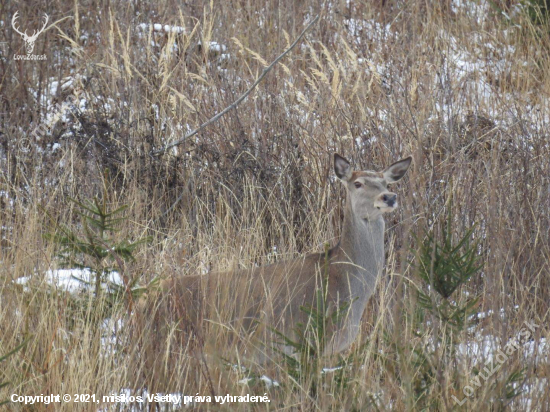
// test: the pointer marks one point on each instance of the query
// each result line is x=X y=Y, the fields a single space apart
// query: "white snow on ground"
x=166 y=28
x=472 y=64
x=163 y=28
x=483 y=348
x=6 y=197
x=487 y=353
x=489 y=313
x=111 y=328
x=330 y=370
x=68 y=279
x=537 y=351
x=269 y=383
x=217 y=47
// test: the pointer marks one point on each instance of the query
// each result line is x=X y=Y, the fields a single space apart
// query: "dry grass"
x=461 y=88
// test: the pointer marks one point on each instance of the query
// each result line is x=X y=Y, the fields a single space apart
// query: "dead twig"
x=239 y=100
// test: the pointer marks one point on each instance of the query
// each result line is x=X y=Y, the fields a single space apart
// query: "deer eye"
x=388 y=187
x=358 y=185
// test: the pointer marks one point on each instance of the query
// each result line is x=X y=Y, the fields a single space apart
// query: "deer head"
x=369 y=191
x=29 y=40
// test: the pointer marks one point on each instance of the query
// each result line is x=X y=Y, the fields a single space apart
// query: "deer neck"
x=362 y=244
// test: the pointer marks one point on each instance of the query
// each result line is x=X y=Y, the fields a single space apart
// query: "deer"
x=275 y=295
x=29 y=40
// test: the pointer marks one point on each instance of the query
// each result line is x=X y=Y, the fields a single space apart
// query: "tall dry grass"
x=374 y=81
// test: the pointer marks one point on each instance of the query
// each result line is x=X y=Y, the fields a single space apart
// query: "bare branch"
x=240 y=99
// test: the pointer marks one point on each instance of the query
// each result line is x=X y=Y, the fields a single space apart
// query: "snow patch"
x=68 y=279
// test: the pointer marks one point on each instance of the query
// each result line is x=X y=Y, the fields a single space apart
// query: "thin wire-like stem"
x=240 y=99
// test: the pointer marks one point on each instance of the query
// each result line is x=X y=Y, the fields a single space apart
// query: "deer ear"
x=342 y=168
x=397 y=170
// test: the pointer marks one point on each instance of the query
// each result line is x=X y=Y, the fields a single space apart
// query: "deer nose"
x=389 y=198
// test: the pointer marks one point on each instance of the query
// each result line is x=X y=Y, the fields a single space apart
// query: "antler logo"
x=29 y=40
